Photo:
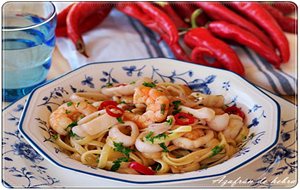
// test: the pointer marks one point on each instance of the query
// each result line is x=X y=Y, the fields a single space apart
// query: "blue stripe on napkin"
x=270 y=80
x=285 y=84
x=133 y=24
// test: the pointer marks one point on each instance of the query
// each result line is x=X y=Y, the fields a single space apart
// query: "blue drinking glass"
x=28 y=40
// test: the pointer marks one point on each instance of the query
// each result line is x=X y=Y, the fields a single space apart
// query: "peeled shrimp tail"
x=67 y=113
x=187 y=143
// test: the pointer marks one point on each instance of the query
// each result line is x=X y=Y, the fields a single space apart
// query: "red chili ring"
x=182 y=118
x=235 y=110
x=107 y=103
x=109 y=111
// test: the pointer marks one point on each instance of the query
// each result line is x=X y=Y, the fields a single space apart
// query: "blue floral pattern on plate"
x=199 y=82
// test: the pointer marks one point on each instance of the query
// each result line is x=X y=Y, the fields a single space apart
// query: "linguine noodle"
x=164 y=127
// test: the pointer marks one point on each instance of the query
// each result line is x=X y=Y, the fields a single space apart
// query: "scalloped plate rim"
x=246 y=162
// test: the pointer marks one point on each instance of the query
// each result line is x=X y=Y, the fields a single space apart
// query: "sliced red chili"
x=114 y=111
x=182 y=118
x=235 y=110
x=141 y=168
x=107 y=103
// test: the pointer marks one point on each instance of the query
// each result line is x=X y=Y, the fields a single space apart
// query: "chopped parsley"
x=149 y=84
x=69 y=103
x=124 y=150
x=176 y=104
x=78 y=103
x=170 y=121
x=158 y=167
x=120 y=148
x=117 y=163
x=151 y=139
x=69 y=128
x=71 y=125
x=216 y=150
x=120 y=120
x=176 y=107
x=164 y=147
x=133 y=82
x=68 y=111
x=72 y=134
x=122 y=102
x=162 y=109
x=160 y=136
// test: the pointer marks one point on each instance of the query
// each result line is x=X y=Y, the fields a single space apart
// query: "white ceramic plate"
x=263 y=114
x=275 y=169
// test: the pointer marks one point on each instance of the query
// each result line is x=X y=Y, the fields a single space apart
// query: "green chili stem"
x=194 y=16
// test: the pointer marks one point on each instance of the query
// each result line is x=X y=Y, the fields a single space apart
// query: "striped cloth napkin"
x=120 y=37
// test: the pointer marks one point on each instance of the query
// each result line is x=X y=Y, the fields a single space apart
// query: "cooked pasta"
x=148 y=128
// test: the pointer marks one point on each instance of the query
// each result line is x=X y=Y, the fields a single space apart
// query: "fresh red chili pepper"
x=204 y=56
x=114 y=111
x=182 y=118
x=107 y=103
x=62 y=16
x=255 y=12
x=235 y=110
x=287 y=7
x=79 y=12
x=135 y=11
x=164 y=27
x=141 y=168
x=287 y=24
x=185 y=11
x=166 y=7
x=223 y=53
x=217 y=11
x=179 y=53
x=61 y=31
x=86 y=25
x=169 y=31
x=233 y=32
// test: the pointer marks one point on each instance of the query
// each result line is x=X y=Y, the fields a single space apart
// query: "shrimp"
x=157 y=106
x=194 y=134
x=194 y=139
x=67 y=113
